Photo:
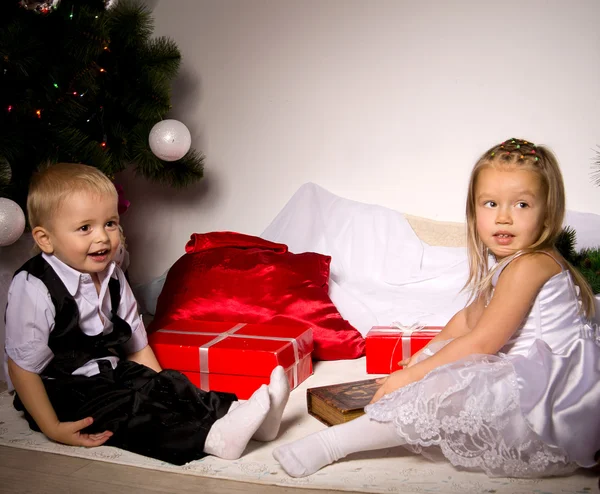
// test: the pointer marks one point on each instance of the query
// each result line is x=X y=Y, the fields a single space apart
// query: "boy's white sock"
x=229 y=436
x=311 y=453
x=279 y=392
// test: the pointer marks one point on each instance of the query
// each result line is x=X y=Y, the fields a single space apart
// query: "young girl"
x=511 y=385
x=77 y=353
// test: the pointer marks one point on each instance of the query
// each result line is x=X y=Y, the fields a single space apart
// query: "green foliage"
x=587 y=261
x=84 y=84
x=566 y=244
x=589 y=266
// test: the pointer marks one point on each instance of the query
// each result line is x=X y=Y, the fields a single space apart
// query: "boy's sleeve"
x=128 y=311
x=30 y=317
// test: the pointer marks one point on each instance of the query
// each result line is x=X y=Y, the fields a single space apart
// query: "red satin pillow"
x=227 y=276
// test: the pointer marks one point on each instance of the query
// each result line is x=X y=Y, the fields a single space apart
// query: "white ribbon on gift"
x=407 y=332
x=230 y=333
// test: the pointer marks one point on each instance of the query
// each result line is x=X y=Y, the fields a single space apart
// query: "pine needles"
x=587 y=261
x=84 y=84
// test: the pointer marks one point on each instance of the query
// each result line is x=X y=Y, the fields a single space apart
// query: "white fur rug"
x=385 y=471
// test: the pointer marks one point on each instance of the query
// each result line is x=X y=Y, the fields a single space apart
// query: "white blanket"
x=380 y=270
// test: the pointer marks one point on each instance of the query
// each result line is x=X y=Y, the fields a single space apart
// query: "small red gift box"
x=236 y=358
x=386 y=346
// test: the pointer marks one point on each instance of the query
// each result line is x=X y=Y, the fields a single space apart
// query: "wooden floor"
x=24 y=471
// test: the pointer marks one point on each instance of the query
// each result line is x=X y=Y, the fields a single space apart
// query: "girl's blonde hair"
x=53 y=183
x=521 y=154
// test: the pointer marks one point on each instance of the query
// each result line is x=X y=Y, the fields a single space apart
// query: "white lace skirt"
x=469 y=412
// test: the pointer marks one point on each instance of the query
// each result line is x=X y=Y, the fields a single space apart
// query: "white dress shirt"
x=30 y=316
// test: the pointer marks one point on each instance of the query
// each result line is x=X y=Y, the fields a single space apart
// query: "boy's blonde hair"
x=51 y=185
x=520 y=154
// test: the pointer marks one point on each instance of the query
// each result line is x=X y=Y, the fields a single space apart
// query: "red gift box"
x=244 y=386
x=386 y=346
x=236 y=358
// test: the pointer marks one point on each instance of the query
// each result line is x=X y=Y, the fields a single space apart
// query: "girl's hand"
x=394 y=381
x=70 y=433
x=409 y=362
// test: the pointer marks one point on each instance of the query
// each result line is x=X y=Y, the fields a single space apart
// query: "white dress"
x=531 y=410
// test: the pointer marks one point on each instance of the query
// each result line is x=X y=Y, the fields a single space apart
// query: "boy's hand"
x=70 y=433
x=33 y=394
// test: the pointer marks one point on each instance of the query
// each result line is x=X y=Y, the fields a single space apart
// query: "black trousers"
x=161 y=415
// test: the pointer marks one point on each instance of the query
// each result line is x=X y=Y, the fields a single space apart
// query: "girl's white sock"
x=279 y=392
x=229 y=436
x=311 y=453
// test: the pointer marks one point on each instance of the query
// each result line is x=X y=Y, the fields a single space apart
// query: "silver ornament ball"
x=12 y=222
x=170 y=140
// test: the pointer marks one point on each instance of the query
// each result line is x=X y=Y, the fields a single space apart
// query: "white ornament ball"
x=12 y=222
x=170 y=140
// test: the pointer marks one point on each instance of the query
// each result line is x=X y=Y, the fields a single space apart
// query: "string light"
x=91 y=116
x=10 y=107
x=102 y=70
x=55 y=85
x=71 y=14
x=101 y=119
x=38 y=113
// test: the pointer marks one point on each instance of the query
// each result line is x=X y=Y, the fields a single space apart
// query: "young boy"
x=77 y=352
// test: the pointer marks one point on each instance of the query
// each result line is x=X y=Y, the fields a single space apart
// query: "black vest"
x=72 y=348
